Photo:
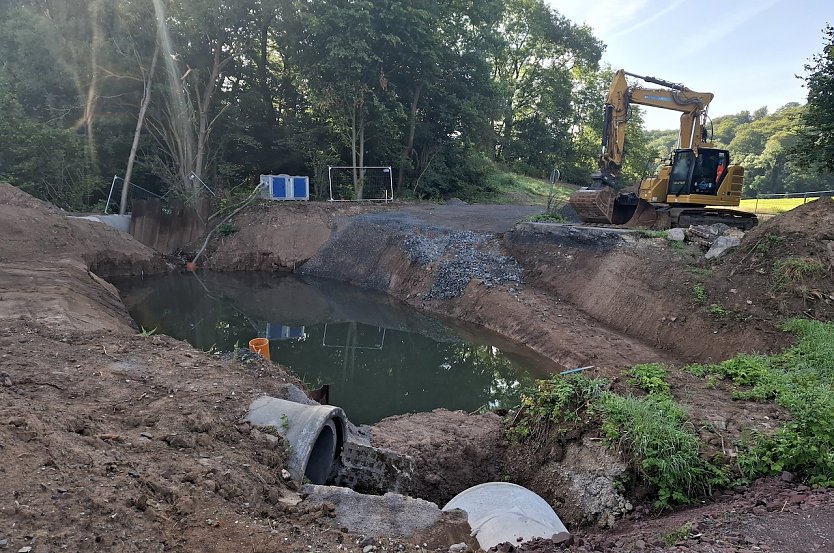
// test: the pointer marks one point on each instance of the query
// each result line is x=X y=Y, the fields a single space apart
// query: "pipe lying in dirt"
x=315 y=434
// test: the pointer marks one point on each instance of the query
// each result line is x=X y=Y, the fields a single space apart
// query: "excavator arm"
x=692 y=105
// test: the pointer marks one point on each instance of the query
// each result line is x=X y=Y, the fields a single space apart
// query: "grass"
x=652 y=432
x=513 y=188
x=772 y=205
x=699 y=293
x=789 y=272
x=801 y=380
x=654 y=435
x=650 y=377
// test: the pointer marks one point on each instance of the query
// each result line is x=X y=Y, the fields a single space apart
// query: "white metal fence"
x=804 y=195
x=350 y=184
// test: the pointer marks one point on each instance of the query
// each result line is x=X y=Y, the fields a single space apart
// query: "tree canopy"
x=446 y=93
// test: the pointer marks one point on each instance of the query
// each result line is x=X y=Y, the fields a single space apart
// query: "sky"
x=746 y=52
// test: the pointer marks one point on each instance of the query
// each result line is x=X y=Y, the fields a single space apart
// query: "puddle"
x=379 y=356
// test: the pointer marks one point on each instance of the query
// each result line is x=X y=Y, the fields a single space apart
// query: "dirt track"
x=115 y=441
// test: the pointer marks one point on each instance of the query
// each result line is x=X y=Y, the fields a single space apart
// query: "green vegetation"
x=769 y=241
x=515 y=188
x=548 y=217
x=655 y=435
x=650 y=377
x=227 y=229
x=649 y=233
x=653 y=431
x=789 y=272
x=145 y=333
x=815 y=148
x=718 y=310
x=452 y=95
x=802 y=381
x=680 y=534
x=699 y=293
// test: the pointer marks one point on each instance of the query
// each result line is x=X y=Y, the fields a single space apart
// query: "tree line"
x=188 y=92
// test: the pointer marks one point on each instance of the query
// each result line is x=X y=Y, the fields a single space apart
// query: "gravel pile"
x=427 y=248
x=454 y=274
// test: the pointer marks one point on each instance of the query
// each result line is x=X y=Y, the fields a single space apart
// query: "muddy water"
x=379 y=356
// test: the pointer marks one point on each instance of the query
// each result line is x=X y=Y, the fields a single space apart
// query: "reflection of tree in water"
x=500 y=379
x=376 y=370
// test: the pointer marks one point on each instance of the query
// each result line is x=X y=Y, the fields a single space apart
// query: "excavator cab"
x=697 y=175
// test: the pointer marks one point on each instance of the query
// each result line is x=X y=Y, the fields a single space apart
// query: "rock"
x=722 y=245
x=368 y=548
x=640 y=544
x=676 y=235
x=457 y=548
x=26 y=549
x=786 y=476
x=373 y=515
x=4 y=544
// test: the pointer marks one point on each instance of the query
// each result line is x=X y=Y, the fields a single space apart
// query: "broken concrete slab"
x=676 y=235
x=722 y=245
x=375 y=515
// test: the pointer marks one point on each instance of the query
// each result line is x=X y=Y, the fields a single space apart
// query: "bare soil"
x=111 y=440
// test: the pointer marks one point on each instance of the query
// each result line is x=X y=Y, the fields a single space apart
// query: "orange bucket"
x=260 y=346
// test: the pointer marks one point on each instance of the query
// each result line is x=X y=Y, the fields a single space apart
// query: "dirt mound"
x=280 y=236
x=33 y=230
x=789 y=260
x=453 y=451
x=771 y=515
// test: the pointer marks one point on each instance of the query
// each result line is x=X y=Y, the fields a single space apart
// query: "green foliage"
x=555 y=401
x=769 y=241
x=655 y=431
x=802 y=381
x=680 y=534
x=549 y=217
x=699 y=293
x=789 y=272
x=650 y=377
x=649 y=233
x=146 y=333
x=718 y=310
x=227 y=229
x=816 y=145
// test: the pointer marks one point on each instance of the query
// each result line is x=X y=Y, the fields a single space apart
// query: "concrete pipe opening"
x=315 y=434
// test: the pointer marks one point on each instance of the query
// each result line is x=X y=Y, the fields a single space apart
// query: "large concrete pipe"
x=501 y=512
x=315 y=434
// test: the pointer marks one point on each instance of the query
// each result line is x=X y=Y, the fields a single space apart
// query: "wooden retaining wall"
x=168 y=226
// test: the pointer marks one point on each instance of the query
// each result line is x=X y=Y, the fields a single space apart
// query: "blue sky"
x=747 y=52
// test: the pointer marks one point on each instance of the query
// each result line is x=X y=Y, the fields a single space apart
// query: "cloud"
x=726 y=25
x=645 y=21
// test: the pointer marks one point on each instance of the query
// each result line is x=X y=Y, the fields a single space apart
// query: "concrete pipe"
x=315 y=434
x=501 y=512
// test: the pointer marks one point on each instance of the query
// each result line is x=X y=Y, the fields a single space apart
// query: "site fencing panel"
x=350 y=184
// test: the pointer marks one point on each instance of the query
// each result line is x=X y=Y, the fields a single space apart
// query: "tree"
x=815 y=148
x=532 y=59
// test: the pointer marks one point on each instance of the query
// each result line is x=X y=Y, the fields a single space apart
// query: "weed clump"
x=789 y=272
x=653 y=432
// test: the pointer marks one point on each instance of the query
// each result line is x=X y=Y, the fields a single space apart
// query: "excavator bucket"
x=646 y=216
x=594 y=205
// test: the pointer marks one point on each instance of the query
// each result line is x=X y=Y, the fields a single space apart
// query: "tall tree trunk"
x=146 y=100
x=409 y=147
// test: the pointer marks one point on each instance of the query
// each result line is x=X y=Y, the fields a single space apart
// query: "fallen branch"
x=232 y=214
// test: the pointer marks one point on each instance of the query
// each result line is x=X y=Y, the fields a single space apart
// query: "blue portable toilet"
x=285 y=187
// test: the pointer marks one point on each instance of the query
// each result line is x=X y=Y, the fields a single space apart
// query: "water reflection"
x=380 y=357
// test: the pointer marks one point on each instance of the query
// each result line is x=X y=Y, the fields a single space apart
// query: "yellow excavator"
x=696 y=187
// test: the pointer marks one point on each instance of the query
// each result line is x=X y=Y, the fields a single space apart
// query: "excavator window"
x=682 y=167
